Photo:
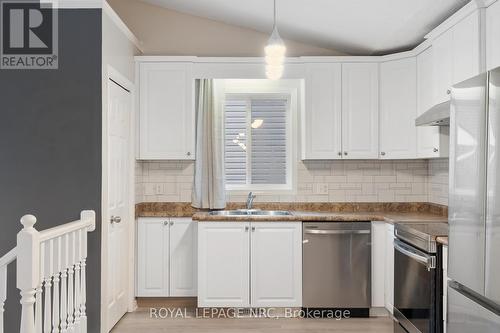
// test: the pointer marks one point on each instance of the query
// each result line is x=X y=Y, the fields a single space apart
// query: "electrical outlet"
x=320 y=188
x=158 y=189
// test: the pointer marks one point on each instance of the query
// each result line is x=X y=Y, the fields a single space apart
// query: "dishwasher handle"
x=421 y=257
x=336 y=232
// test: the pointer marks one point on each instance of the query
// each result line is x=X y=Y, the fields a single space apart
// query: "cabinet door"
x=321 y=118
x=493 y=35
x=166 y=111
x=223 y=264
x=276 y=264
x=378 y=263
x=152 y=257
x=183 y=263
x=398 y=103
x=442 y=59
x=360 y=110
x=467 y=49
x=389 y=268
x=428 y=140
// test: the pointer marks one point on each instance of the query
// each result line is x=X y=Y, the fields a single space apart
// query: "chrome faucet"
x=250 y=199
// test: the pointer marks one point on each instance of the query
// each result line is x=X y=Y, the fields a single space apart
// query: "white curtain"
x=209 y=185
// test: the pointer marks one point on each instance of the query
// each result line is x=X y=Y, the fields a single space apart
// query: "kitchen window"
x=257 y=141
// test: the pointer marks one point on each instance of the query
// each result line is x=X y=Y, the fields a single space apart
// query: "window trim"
x=283 y=88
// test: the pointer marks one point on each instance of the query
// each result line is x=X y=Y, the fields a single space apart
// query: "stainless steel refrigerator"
x=474 y=207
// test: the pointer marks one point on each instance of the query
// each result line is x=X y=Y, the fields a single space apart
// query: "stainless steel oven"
x=417 y=279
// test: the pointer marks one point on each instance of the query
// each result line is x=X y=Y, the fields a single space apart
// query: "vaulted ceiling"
x=358 y=27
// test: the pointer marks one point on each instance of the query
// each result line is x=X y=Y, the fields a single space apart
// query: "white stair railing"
x=50 y=275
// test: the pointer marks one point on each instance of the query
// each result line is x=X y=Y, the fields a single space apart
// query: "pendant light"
x=275 y=53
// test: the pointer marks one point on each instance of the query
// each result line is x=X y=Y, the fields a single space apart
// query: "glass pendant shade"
x=275 y=53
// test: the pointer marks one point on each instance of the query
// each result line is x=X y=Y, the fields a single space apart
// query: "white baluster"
x=77 y=302
x=47 y=318
x=28 y=256
x=71 y=290
x=64 y=288
x=38 y=295
x=83 y=294
x=55 y=307
x=3 y=293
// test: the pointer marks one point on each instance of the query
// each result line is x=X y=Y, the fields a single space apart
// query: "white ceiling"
x=358 y=27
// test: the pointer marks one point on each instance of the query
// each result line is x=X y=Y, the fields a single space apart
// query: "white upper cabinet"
x=360 y=110
x=493 y=35
x=457 y=55
x=398 y=90
x=167 y=113
x=442 y=59
x=428 y=140
x=467 y=49
x=321 y=119
x=276 y=264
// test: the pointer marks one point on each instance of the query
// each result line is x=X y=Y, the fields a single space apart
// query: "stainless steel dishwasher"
x=337 y=266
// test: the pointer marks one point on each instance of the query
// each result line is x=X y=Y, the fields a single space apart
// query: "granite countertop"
x=442 y=240
x=308 y=212
x=306 y=216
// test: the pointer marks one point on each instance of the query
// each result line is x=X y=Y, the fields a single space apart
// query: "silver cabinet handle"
x=171 y=222
x=253 y=228
x=339 y=153
x=382 y=153
x=115 y=219
x=345 y=153
x=435 y=150
x=188 y=153
x=247 y=228
x=165 y=222
x=337 y=232
x=448 y=92
x=426 y=260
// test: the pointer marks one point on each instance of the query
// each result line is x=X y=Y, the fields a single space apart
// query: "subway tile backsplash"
x=317 y=181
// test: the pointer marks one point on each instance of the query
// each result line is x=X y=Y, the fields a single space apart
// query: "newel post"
x=28 y=262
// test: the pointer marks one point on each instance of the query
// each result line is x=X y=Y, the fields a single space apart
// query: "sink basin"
x=250 y=212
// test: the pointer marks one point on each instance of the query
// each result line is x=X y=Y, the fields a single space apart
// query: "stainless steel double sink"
x=250 y=212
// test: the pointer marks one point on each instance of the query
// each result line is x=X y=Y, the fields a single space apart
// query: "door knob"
x=253 y=228
x=435 y=150
x=345 y=153
x=339 y=153
x=188 y=153
x=115 y=219
x=382 y=153
x=246 y=228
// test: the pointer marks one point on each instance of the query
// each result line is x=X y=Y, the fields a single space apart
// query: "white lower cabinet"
x=276 y=264
x=166 y=257
x=383 y=265
x=378 y=263
x=249 y=264
x=389 y=268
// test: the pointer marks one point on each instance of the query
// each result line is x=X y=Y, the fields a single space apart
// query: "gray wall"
x=50 y=147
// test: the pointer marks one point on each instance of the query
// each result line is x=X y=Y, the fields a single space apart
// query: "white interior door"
x=118 y=124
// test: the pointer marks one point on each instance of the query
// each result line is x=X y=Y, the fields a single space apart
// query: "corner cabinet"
x=250 y=264
x=166 y=111
x=458 y=54
x=398 y=104
x=166 y=257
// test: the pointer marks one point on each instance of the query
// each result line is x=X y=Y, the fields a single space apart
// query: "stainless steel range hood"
x=438 y=115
